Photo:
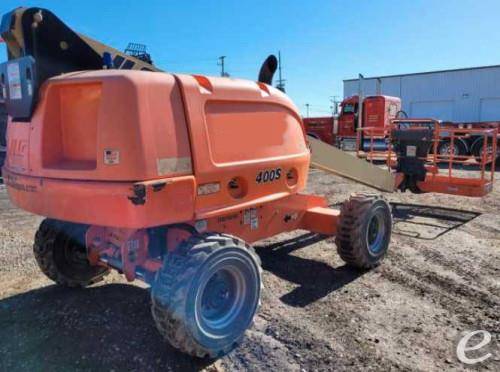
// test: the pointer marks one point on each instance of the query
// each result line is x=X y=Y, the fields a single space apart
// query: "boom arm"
x=44 y=46
x=39 y=33
x=340 y=163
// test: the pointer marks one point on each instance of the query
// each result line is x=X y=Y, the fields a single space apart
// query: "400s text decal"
x=268 y=175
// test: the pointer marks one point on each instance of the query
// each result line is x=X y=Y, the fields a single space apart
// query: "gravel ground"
x=440 y=279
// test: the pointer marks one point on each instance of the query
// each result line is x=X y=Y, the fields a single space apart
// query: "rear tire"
x=364 y=230
x=206 y=294
x=60 y=252
x=459 y=148
x=477 y=149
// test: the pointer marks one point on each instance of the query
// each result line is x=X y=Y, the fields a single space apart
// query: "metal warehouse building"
x=463 y=95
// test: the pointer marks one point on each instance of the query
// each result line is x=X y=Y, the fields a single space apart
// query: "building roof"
x=426 y=72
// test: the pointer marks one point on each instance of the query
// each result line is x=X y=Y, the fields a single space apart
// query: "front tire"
x=364 y=230
x=60 y=252
x=206 y=294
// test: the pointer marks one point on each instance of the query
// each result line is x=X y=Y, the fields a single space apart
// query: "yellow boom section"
x=340 y=163
x=15 y=38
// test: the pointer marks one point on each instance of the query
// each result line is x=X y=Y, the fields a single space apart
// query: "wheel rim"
x=222 y=298
x=446 y=149
x=226 y=297
x=71 y=257
x=75 y=255
x=375 y=233
x=489 y=150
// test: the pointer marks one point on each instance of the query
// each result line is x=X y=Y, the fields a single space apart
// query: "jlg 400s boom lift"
x=166 y=178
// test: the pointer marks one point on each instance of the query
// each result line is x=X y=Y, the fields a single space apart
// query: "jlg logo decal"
x=17 y=147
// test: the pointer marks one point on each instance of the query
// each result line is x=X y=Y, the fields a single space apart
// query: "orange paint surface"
x=130 y=148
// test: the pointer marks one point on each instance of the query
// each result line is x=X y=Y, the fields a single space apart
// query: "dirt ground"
x=440 y=279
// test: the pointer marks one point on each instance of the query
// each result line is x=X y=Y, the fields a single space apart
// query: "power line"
x=316 y=109
x=321 y=107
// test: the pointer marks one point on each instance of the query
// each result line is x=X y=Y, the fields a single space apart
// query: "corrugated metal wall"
x=462 y=96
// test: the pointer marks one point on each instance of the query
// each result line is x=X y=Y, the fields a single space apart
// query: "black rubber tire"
x=461 y=146
x=183 y=279
x=356 y=215
x=477 y=150
x=60 y=252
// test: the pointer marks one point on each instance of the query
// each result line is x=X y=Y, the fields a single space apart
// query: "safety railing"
x=436 y=162
x=368 y=140
x=488 y=137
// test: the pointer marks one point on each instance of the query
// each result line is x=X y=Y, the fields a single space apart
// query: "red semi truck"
x=341 y=131
x=378 y=111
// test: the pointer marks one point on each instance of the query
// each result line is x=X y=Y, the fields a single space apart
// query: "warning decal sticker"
x=14 y=79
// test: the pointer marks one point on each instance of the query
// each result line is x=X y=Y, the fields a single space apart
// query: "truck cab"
x=348 y=116
x=378 y=111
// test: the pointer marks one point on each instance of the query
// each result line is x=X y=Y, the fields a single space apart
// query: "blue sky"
x=321 y=42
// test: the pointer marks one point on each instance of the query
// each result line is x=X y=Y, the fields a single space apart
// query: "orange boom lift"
x=165 y=178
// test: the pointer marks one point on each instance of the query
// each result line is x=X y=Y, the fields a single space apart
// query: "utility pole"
x=307 y=110
x=281 y=82
x=335 y=104
x=221 y=64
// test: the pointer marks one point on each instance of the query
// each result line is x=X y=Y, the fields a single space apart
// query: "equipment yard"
x=317 y=314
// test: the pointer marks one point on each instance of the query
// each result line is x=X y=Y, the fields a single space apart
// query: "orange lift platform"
x=413 y=158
